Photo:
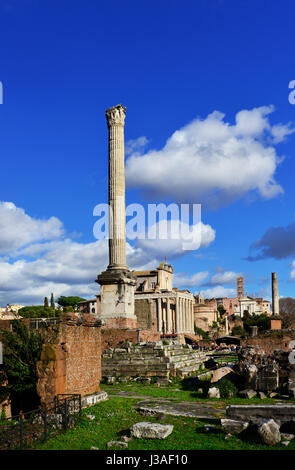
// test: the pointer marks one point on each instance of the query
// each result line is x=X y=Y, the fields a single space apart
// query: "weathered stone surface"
x=90 y=400
x=261 y=371
x=188 y=409
x=248 y=393
x=117 y=444
x=292 y=392
x=91 y=417
x=146 y=430
x=213 y=392
x=261 y=395
x=268 y=378
x=287 y=437
x=111 y=380
x=269 y=432
x=219 y=373
x=94 y=448
x=250 y=375
x=280 y=412
x=232 y=426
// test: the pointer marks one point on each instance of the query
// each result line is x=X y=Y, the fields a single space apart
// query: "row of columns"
x=175 y=320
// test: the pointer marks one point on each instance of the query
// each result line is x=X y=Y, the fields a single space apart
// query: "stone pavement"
x=166 y=406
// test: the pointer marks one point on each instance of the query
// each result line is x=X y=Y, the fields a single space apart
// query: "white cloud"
x=135 y=145
x=292 y=273
x=210 y=160
x=177 y=243
x=64 y=268
x=19 y=229
x=182 y=280
x=37 y=259
x=226 y=277
x=218 y=291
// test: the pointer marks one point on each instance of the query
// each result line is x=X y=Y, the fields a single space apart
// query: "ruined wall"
x=271 y=340
x=112 y=337
x=152 y=359
x=71 y=358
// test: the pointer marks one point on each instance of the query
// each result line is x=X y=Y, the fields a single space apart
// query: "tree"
x=69 y=301
x=287 y=311
x=22 y=350
x=46 y=304
x=262 y=321
x=52 y=303
x=36 y=311
x=238 y=330
x=221 y=310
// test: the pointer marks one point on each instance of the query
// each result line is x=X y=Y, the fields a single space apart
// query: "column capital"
x=116 y=115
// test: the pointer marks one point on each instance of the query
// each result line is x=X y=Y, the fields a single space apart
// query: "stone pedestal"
x=117 y=299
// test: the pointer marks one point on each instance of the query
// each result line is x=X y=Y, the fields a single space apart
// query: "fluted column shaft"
x=117 y=233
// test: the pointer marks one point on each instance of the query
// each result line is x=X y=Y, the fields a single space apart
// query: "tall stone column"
x=117 y=282
x=275 y=294
x=192 y=316
x=117 y=237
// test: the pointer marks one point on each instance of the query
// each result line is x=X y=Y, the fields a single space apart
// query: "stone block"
x=248 y=393
x=146 y=430
x=232 y=426
x=269 y=432
x=213 y=392
x=122 y=444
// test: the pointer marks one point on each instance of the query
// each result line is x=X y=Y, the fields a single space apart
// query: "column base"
x=117 y=298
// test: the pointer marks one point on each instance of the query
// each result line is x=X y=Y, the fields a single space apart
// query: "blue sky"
x=172 y=64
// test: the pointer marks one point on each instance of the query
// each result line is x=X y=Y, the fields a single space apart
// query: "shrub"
x=226 y=388
x=199 y=331
x=238 y=330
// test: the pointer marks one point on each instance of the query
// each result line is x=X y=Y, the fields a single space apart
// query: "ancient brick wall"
x=71 y=358
x=271 y=340
x=112 y=337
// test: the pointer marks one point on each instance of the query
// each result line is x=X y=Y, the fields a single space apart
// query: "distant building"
x=10 y=312
x=253 y=306
x=90 y=306
x=204 y=314
x=159 y=306
x=240 y=287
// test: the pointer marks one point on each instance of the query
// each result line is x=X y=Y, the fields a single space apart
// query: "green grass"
x=115 y=417
x=180 y=395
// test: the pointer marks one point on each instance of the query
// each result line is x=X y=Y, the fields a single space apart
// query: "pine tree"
x=52 y=305
x=46 y=304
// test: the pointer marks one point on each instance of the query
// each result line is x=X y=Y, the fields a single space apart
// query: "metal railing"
x=21 y=431
x=37 y=323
